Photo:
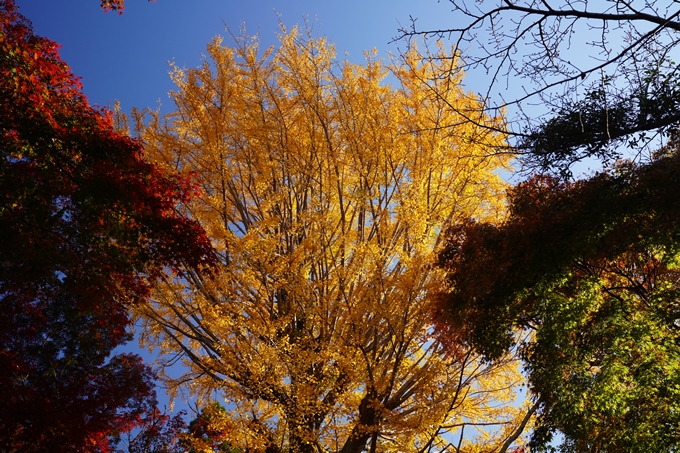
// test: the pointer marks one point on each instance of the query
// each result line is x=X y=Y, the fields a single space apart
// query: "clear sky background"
x=125 y=57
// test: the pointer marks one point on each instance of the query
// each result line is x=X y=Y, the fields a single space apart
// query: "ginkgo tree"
x=325 y=189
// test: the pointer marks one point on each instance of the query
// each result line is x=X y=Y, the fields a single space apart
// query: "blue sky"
x=125 y=57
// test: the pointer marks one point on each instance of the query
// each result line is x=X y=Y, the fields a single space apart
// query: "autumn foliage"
x=114 y=5
x=86 y=225
x=590 y=269
x=325 y=187
x=551 y=226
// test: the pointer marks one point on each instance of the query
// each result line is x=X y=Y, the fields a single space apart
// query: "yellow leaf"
x=325 y=191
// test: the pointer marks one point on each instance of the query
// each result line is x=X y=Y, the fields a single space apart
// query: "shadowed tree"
x=590 y=269
x=86 y=225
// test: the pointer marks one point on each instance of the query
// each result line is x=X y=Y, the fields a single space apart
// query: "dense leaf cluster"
x=590 y=270
x=325 y=191
x=85 y=223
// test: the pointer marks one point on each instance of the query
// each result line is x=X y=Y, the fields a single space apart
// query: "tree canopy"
x=590 y=269
x=325 y=190
x=581 y=277
x=86 y=225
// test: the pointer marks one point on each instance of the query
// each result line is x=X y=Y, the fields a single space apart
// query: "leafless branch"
x=543 y=57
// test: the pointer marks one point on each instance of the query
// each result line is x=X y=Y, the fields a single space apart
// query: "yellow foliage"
x=324 y=191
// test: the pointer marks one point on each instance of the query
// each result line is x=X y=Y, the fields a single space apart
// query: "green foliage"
x=605 y=362
x=588 y=272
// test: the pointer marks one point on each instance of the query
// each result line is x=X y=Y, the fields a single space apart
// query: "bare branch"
x=553 y=56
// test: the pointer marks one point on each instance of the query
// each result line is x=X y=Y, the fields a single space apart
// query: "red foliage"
x=552 y=227
x=114 y=5
x=86 y=225
x=155 y=433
